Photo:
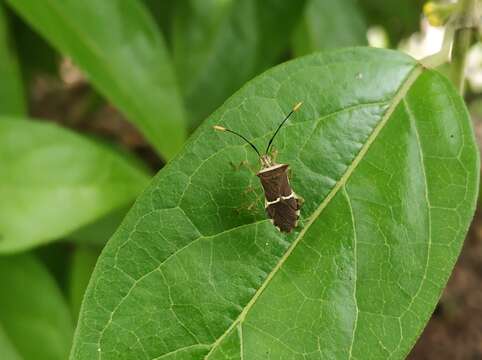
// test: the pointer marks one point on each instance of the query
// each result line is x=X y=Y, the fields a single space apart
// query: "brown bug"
x=281 y=203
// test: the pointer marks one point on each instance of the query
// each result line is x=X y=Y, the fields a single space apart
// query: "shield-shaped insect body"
x=281 y=203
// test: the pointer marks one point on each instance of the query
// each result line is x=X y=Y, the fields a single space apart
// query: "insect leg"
x=243 y=164
x=274 y=154
x=290 y=173
x=249 y=189
x=300 y=201
x=250 y=205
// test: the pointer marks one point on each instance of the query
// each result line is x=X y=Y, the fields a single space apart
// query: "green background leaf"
x=219 y=45
x=35 y=55
x=12 y=101
x=120 y=48
x=329 y=25
x=82 y=264
x=384 y=156
x=98 y=232
x=162 y=12
x=33 y=314
x=7 y=349
x=399 y=18
x=53 y=181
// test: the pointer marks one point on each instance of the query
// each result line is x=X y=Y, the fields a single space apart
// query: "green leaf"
x=162 y=12
x=219 y=45
x=35 y=55
x=12 y=100
x=33 y=313
x=399 y=18
x=53 y=181
x=98 y=232
x=119 y=47
x=82 y=264
x=7 y=350
x=330 y=25
x=52 y=256
x=383 y=153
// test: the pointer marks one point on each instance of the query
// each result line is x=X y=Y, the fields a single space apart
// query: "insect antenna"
x=221 y=128
x=295 y=108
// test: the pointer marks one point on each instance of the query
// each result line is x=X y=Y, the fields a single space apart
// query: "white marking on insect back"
x=268 y=203
x=277 y=166
x=290 y=196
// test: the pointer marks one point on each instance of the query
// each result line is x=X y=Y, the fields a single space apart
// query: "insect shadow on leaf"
x=281 y=203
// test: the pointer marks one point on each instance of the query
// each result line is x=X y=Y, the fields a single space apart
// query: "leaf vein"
x=413 y=121
x=355 y=240
x=398 y=97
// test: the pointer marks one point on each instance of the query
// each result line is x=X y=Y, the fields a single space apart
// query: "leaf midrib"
x=398 y=97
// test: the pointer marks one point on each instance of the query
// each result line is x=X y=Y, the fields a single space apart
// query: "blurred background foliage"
x=95 y=97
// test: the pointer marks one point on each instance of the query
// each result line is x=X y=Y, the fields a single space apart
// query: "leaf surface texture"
x=383 y=153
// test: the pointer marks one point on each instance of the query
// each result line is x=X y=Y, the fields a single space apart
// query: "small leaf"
x=33 y=314
x=7 y=349
x=219 y=45
x=98 y=232
x=35 y=55
x=330 y=25
x=53 y=181
x=12 y=100
x=118 y=45
x=383 y=153
x=82 y=264
x=162 y=12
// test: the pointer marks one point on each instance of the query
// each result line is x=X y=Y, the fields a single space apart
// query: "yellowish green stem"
x=466 y=24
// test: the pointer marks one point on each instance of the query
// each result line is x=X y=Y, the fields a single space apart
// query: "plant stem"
x=443 y=56
x=466 y=26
